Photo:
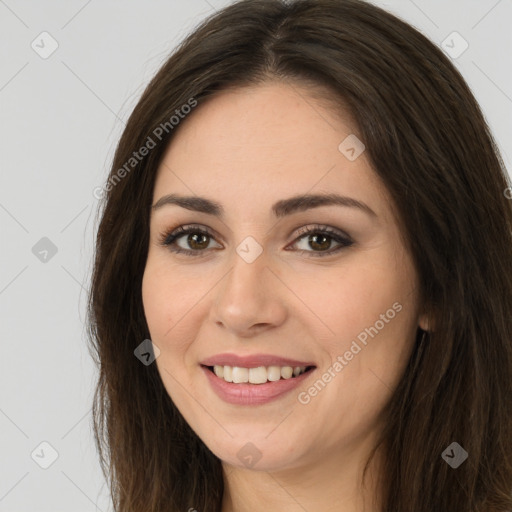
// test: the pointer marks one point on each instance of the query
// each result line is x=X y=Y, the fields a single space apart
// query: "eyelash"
x=168 y=239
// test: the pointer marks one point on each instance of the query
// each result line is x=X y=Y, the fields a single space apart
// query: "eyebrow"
x=280 y=209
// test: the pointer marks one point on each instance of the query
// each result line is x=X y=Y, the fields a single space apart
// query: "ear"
x=425 y=322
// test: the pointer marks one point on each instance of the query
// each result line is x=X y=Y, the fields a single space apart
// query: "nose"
x=250 y=299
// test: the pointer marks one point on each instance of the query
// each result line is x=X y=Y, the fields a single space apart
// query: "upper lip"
x=252 y=361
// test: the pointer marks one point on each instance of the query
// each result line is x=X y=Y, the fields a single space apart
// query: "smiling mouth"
x=260 y=375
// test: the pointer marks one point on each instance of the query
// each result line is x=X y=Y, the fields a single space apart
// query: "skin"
x=247 y=149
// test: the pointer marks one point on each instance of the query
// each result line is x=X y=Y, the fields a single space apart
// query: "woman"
x=307 y=216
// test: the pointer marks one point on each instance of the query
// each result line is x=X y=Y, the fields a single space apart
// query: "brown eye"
x=317 y=241
x=188 y=240
x=320 y=242
x=197 y=241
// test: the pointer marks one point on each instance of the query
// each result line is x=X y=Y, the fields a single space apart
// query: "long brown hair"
x=428 y=141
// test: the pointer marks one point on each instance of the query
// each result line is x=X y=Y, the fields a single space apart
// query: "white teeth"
x=258 y=375
x=286 y=372
x=228 y=373
x=273 y=373
x=240 y=375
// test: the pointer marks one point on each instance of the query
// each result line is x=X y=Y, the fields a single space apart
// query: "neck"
x=331 y=482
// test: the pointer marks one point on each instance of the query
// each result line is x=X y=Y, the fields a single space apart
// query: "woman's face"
x=258 y=283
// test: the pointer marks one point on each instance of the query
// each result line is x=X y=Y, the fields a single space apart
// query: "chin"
x=255 y=452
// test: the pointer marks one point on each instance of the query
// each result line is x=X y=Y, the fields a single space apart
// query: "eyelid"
x=168 y=238
x=326 y=228
x=182 y=230
x=343 y=239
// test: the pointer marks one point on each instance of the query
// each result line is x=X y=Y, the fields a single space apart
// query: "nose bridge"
x=247 y=278
x=248 y=295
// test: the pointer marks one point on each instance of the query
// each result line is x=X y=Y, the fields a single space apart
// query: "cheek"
x=371 y=314
x=374 y=321
x=164 y=302
x=353 y=297
x=172 y=305
x=163 y=310
x=157 y=307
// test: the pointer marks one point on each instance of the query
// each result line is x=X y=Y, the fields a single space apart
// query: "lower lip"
x=253 y=394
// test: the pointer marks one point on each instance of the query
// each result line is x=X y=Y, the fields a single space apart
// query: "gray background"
x=60 y=118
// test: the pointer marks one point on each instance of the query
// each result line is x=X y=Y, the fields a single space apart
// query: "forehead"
x=263 y=143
